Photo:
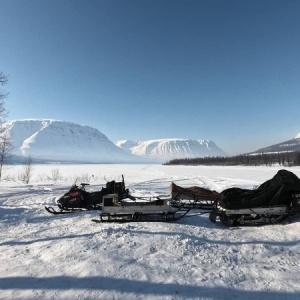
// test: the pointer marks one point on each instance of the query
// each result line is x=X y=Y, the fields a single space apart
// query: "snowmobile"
x=78 y=199
x=271 y=202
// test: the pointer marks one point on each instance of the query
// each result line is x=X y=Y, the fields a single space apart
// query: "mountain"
x=167 y=149
x=290 y=145
x=126 y=144
x=59 y=141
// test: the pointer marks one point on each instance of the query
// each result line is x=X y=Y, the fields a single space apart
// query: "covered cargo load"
x=276 y=191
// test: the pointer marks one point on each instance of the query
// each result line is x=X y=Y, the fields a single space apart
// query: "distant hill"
x=59 y=141
x=167 y=149
x=287 y=146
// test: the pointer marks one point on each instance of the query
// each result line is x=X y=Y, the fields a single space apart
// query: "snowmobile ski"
x=53 y=211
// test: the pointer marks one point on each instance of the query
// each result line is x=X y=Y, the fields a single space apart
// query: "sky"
x=222 y=70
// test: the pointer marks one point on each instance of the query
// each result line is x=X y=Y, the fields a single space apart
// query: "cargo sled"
x=162 y=208
x=193 y=197
x=128 y=210
x=271 y=202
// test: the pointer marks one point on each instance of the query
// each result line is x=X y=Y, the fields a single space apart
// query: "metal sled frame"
x=134 y=211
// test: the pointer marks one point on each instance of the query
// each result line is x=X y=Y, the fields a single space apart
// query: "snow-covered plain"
x=69 y=257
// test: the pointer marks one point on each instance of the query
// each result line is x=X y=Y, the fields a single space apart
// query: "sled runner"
x=271 y=202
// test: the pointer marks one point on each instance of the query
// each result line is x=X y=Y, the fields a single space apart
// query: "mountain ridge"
x=172 y=148
x=286 y=146
x=55 y=140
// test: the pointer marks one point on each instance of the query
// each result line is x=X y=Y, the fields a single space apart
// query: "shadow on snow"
x=136 y=287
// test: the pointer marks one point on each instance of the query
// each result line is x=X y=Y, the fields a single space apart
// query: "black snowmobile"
x=78 y=199
x=271 y=202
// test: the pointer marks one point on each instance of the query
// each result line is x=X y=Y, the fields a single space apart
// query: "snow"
x=69 y=257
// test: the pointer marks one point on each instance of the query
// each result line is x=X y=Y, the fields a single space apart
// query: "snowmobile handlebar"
x=83 y=185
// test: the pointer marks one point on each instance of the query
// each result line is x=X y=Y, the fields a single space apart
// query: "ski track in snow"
x=69 y=257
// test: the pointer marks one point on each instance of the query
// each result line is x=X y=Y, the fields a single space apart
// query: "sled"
x=193 y=197
x=129 y=210
x=270 y=203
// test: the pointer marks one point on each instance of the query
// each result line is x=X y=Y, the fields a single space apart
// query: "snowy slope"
x=166 y=149
x=54 y=140
x=290 y=145
x=69 y=257
x=126 y=144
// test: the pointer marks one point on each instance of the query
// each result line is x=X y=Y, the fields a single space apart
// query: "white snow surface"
x=297 y=136
x=167 y=149
x=61 y=141
x=70 y=257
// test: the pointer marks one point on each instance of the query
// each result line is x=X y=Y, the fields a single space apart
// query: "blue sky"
x=223 y=70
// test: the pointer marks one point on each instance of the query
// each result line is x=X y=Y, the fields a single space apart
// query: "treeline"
x=286 y=159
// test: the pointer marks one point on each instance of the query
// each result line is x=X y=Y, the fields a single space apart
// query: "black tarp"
x=276 y=191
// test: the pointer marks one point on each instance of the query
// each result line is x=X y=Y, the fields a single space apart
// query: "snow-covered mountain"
x=126 y=144
x=59 y=141
x=167 y=149
x=290 y=145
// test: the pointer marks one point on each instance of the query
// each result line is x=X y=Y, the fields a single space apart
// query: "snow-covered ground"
x=69 y=257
